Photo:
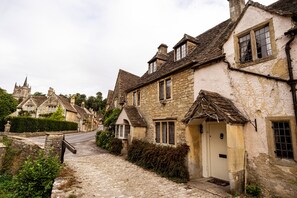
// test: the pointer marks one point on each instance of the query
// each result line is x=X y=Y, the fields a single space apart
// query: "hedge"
x=28 y=124
x=106 y=140
x=2 y=123
x=164 y=160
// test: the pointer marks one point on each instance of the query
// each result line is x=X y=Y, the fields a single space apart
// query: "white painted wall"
x=257 y=98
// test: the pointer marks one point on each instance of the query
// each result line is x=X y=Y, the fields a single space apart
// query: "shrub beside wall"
x=164 y=160
x=106 y=140
x=28 y=124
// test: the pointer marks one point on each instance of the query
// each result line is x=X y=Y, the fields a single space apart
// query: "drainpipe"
x=292 y=82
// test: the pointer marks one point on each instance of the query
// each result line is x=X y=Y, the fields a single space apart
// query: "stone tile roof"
x=186 y=38
x=67 y=104
x=209 y=48
x=125 y=80
x=109 y=97
x=38 y=100
x=213 y=106
x=84 y=113
x=210 y=43
x=159 y=56
x=134 y=116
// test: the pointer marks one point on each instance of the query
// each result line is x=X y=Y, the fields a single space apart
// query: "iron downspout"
x=292 y=81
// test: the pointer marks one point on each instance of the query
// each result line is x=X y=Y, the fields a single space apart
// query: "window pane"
x=183 y=51
x=171 y=133
x=157 y=132
x=138 y=98
x=263 y=42
x=282 y=140
x=127 y=131
x=177 y=53
x=245 y=49
x=121 y=131
x=161 y=90
x=164 y=132
x=168 y=88
x=134 y=98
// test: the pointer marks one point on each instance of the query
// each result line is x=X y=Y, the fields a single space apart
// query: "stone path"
x=103 y=175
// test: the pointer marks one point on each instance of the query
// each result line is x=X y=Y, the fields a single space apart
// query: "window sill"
x=165 y=101
x=284 y=162
x=255 y=62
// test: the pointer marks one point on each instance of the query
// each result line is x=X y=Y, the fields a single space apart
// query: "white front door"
x=218 y=151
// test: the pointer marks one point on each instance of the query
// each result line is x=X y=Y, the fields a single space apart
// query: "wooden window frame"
x=251 y=31
x=271 y=140
x=136 y=97
x=164 y=133
x=181 y=52
x=165 y=91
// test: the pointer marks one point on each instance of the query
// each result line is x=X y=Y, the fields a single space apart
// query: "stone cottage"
x=230 y=94
x=117 y=98
x=43 y=106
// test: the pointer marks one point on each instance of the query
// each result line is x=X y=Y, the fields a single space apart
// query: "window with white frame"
x=254 y=45
x=180 y=52
x=136 y=98
x=165 y=132
x=152 y=67
x=165 y=89
x=122 y=131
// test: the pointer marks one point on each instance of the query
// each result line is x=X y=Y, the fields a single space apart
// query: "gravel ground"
x=100 y=174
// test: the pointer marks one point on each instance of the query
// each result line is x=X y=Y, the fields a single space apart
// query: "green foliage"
x=253 y=190
x=10 y=154
x=103 y=139
x=28 y=124
x=58 y=114
x=106 y=140
x=115 y=146
x=111 y=117
x=36 y=177
x=7 y=103
x=7 y=106
x=6 y=186
x=38 y=94
x=166 y=161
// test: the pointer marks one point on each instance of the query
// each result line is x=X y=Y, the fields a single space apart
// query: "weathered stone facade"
x=152 y=109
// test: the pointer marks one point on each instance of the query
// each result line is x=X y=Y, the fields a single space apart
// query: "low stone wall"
x=33 y=134
x=13 y=157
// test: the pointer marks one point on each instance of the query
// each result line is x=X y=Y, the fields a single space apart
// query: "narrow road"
x=101 y=174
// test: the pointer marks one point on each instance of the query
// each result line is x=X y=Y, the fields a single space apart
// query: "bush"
x=106 y=140
x=166 y=161
x=36 y=177
x=28 y=124
x=253 y=190
x=116 y=146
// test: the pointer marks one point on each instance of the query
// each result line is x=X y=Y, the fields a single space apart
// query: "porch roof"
x=135 y=117
x=214 y=107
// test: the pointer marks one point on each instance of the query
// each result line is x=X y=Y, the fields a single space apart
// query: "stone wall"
x=151 y=108
x=13 y=157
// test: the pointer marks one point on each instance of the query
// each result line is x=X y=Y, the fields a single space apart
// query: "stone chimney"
x=50 y=92
x=82 y=104
x=236 y=7
x=72 y=100
x=162 y=49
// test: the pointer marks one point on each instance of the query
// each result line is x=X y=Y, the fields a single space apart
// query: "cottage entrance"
x=218 y=165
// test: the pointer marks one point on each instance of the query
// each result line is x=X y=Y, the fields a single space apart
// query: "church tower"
x=21 y=92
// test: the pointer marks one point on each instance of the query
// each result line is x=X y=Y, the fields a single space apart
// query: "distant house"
x=230 y=94
x=44 y=106
x=117 y=97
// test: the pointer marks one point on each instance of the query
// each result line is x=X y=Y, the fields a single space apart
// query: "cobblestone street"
x=100 y=174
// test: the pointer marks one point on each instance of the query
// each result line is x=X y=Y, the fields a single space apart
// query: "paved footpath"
x=103 y=175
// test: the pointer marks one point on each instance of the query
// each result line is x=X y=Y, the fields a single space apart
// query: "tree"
x=7 y=104
x=38 y=94
x=58 y=114
x=79 y=98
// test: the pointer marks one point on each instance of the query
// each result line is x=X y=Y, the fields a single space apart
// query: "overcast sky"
x=78 y=46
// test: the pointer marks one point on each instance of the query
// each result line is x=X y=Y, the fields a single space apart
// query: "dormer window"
x=180 y=52
x=152 y=67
